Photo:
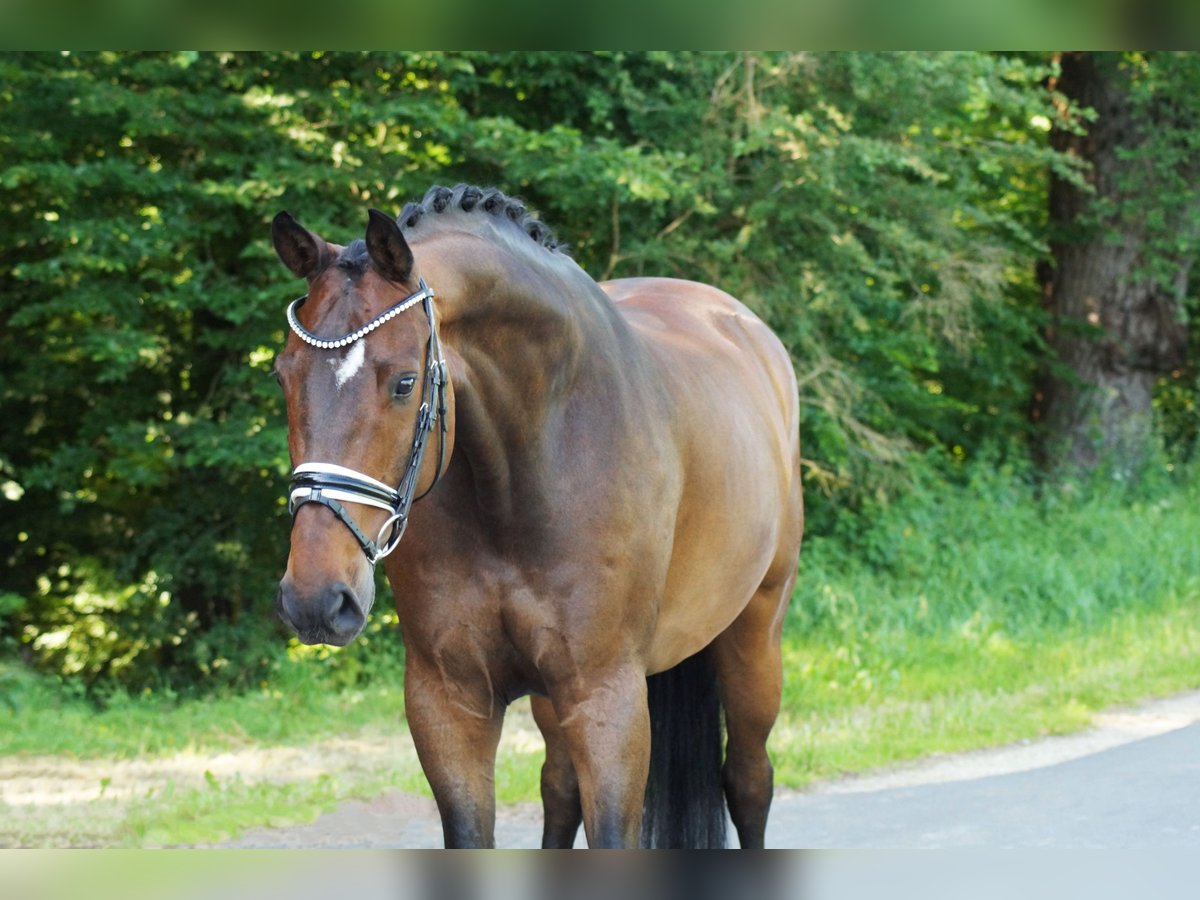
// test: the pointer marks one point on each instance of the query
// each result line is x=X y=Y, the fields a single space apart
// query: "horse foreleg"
x=605 y=724
x=560 y=788
x=456 y=733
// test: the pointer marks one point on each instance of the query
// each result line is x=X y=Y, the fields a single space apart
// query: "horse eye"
x=404 y=385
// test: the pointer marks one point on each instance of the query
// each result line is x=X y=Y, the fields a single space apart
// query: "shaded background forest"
x=980 y=263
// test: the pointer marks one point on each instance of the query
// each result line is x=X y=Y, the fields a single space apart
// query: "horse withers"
x=598 y=491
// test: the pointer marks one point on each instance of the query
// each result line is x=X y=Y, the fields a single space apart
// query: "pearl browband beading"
x=423 y=292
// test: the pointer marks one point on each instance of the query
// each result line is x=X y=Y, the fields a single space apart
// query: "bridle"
x=330 y=485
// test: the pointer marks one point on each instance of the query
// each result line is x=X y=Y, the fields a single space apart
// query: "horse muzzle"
x=334 y=614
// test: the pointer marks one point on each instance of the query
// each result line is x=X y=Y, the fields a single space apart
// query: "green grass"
x=297 y=707
x=977 y=616
x=960 y=618
x=220 y=812
x=940 y=694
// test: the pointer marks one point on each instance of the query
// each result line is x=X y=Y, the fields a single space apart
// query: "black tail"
x=685 y=804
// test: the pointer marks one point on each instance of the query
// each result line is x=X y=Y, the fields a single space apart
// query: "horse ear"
x=301 y=250
x=387 y=248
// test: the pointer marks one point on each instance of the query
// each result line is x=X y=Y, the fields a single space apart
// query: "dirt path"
x=54 y=801
x=59 y=801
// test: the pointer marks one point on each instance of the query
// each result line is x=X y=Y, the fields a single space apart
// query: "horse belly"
x=726 y=540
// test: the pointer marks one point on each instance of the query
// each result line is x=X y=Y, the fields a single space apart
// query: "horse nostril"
x=343 y=614
x=332 y=615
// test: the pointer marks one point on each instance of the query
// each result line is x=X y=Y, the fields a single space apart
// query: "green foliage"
x=1040 y=560
x=1162 y=160
x=1139 y=215
x=883 y=211
x=1165 y=90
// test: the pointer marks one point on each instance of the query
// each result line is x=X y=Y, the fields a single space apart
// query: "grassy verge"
x=943 y=694
x=984 y=614
x=961 y=618
x=297 y=707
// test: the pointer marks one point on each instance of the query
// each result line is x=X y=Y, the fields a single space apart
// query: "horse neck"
x=515 y=334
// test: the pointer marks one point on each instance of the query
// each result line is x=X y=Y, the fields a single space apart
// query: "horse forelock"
x=353 y=257
x=472 y=203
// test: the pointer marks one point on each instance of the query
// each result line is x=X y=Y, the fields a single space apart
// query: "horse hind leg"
x=562 y=810
x=748 y=657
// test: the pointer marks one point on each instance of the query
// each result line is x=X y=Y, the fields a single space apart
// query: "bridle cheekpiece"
x=330 y=485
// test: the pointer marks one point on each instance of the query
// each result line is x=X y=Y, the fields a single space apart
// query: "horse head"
x=366 y=392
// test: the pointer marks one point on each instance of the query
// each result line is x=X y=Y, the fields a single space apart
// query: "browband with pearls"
x=423 y=292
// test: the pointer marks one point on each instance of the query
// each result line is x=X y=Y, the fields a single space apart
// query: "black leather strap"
x=331 y=480
x=369 y=547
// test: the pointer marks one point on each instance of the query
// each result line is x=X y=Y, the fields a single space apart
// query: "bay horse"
x=609 y=515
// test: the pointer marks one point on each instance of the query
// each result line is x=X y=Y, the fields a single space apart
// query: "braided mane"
x=469 y=198
x=464 y=198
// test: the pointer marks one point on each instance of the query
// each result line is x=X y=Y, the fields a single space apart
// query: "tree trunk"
x=1113 y=331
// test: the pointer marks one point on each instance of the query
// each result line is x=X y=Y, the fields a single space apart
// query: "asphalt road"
x=1131 y=782
x=1144 y=794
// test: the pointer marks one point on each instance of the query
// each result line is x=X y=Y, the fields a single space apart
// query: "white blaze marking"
x=347 y=368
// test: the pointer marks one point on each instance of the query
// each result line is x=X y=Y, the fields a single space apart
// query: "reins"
x=329 y=484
